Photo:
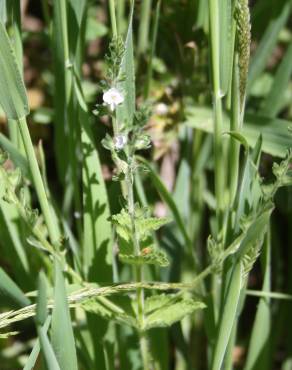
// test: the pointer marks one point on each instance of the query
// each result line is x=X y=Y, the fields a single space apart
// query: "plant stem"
x=112 y=6
x=235 y=126
x=138 y=268
x=218 y=148
x=38 y=182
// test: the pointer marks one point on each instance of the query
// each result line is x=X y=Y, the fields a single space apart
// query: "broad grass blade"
x=97 y=240
x=275 y=132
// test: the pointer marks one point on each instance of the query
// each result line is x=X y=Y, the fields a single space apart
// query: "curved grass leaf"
x=13 y=97
x=62 y=332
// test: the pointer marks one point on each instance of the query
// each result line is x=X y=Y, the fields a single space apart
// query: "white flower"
x=113 y=97
x=161 y=109
x=120 y=141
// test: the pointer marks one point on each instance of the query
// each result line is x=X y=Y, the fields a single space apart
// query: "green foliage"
x=165 y=310
x=85 y=197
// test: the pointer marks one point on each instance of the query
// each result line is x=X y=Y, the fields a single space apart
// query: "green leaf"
x=125 y=112
x=274 y=101
x=32 y=359
x=41 y=309
x=149 y=256
x=13 y=97
x=42 y=325
x=275 y=132
x=94 y=306
x=14 y=154
x=62 y=332
x=225 y=10
x=172 y=309
x=228 y=316
x=10 y=290
x=166 y=196
x=97 y=240
x=259 y=346
x=267 y=44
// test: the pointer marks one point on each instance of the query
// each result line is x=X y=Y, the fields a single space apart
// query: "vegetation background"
x=215 y=184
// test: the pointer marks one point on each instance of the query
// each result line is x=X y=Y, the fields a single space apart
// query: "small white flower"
x=161 y=109
x=120 y=141
x=113 y=97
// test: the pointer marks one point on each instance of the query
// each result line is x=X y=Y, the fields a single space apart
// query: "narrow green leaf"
x=10 y=290
x=267 y=44
x=225 y=44
x=47 y=350
x=274 y=101
x=125 y=112
x=13 y=97
x=228 y=316
x=15 y=155
x=41 y=309
x=62 y=332
x=32 y=359
x=259 y=346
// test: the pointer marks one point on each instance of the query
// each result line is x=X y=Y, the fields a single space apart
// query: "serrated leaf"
x=13 y=97
x=152 y=257
x=146 y=226
x=171 y=312
x=97 y=308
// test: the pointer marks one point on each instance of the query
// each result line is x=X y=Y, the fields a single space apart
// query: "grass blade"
x=62 y=332
x=228 y=317
x=125 y=112
x=13 y=97
x=258 y=357
x=273 y=102
x=267 y=44
x=11 y=291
